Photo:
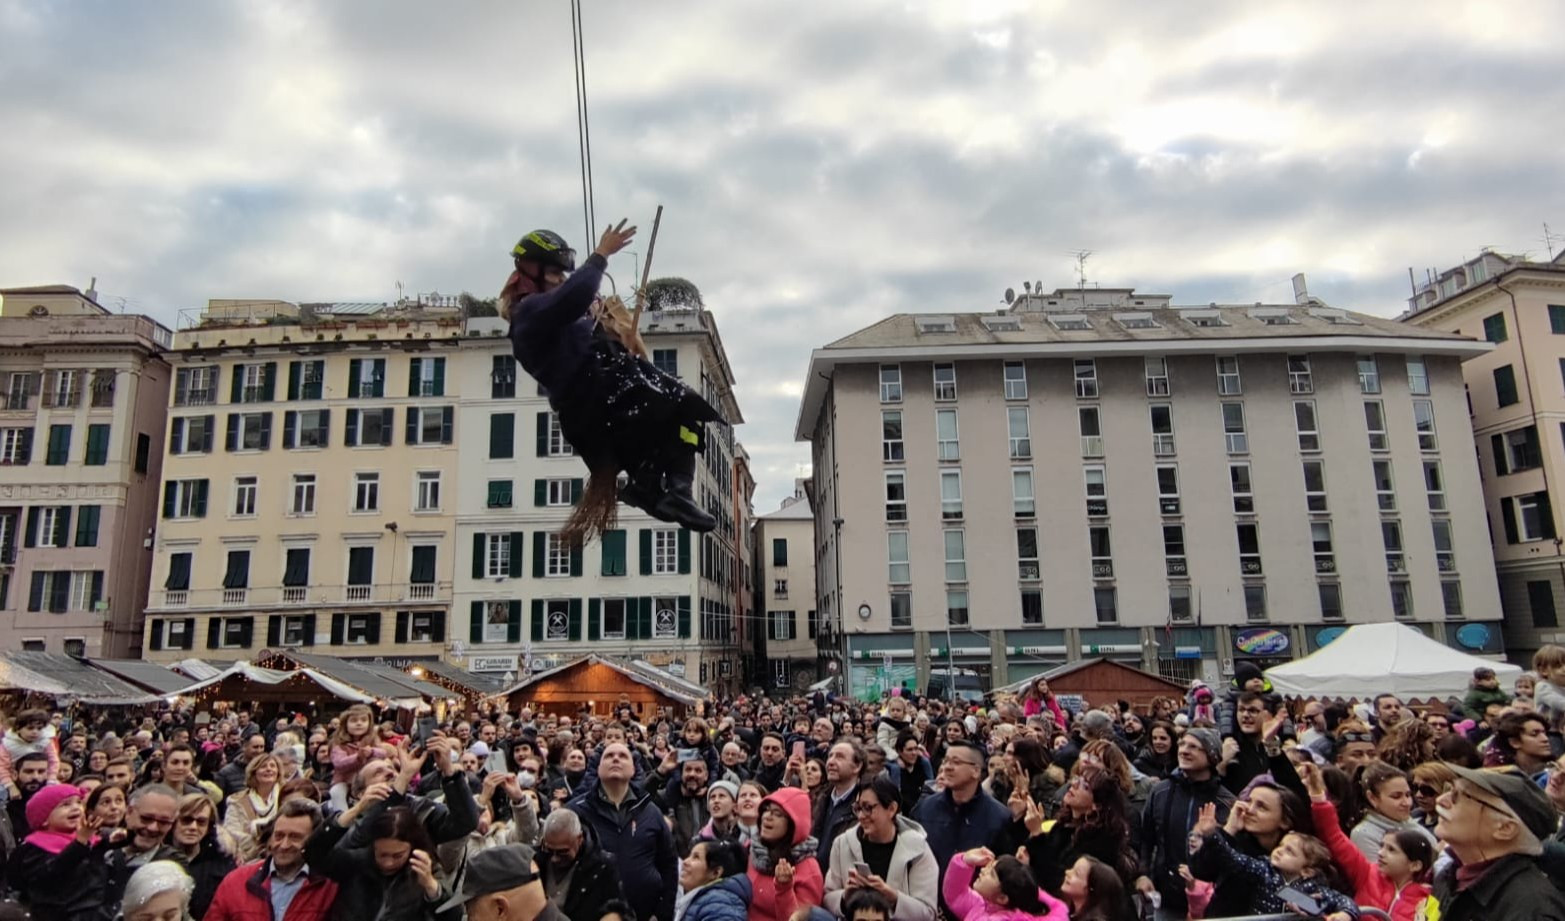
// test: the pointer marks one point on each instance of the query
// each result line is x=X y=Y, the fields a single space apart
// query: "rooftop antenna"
x=1548 y=240
x=1081 y=267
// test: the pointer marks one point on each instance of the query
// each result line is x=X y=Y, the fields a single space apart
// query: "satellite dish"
x=1010 y=295
x=1037 y=286
x=1027 y=286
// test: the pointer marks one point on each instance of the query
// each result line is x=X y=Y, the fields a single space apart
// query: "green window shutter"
x=447 y=423
x=274 y=623
x=290 y=428
x=387 y=420
x=684 y=617
x=294 y=373
x=502 y=435
x=613 y=551
x=353 y=378
x=574 y=619
x=479 y=541
x=1497 y=447
x=576 y=560
x=440 y=377
x=412 y=427
x=269 y=382
x=1508 y=516
x=576 y=488
x=97 y=589
x=97 y=445
x=543 y=434
x=540 y=544
x=236 y=387
x=594 y=615
x=155 y=635
x=168 y=509
x=537 y=627
x=87 y=526
x=644 y=631
x=201 y=497
x=513 y=622
x=402 y=628
x=378 y=377
x=339 y=626
x=475 y=629
x=62 y=527
x=540 y=492
x=684 y=551
x=415 y=365
x=516 y=555
x=644 y=538
x=350 y=432
x=231 y=439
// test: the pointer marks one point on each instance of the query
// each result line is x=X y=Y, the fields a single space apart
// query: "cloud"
x=823 y=164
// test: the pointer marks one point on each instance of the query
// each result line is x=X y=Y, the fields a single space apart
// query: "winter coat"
x=1478 y=699
x=1549 y=701
x=595 y=888
x=451 y=818
x=1197 y=710
x=727 y=899
x=1217 y=859
x=1165 y=830
x=831 y=818
x=739 y=833
x=363 y=891
x=12 y=747
x=1060 y=846
x=951 y=828
x=211 y=865
x=886 y=732
x=967 y=905
x=1514 y=887
x=245 y=895
x=1367 y=834
x=769 y=901
x=640 y=840
x=243 y=817
x=1155 y=765
x=1371 y=886
x=119 y=867
x=910 y=783
x=64 y=886
x=914 y=874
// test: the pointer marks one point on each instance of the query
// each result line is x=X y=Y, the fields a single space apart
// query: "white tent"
x=1370 y=659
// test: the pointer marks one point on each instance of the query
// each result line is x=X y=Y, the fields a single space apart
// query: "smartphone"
x=1301 y=901
x=798 y=748
x=862 y=869
x=687 y=754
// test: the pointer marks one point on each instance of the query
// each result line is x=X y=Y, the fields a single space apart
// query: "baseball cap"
x=498 y=869
x=1519 y=792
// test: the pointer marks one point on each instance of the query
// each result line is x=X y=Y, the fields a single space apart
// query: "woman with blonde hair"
x=205 y=849
x=253 y=806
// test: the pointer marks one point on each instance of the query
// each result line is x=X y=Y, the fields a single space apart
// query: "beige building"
x=81 y=417
x=1516 y=397
x=786 y=589
x=1100 y=473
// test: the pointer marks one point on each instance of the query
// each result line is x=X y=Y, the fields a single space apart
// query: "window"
x=612 y=619
x=366 y=492
x=1156 y=370
x=361 y=629
x=1540 y=598
x=502 y=436
x=1239 y=480
x=956 y=607
x=1330 y=600
x=1451 y=599
x=1556 y=319
x=890 y=383
x=665 y=551
x=950 y=495
x=558 y=492
x=1320 y=540
x=1315 y=485
x=1097 y=490
x=303 y=502
x=779 y=551
x=779 y=588
x=184 y=499
x=1086 y=378
x=1445 y=545
x=1102 y=549
x=1027 y=555
x=195 y=386
x=1424 y=422
x=88 y=517
x=900 y=570
x=1032 y=607
x=1233 y=428
x=361 y=571
x=1162 y=429
x=1255 y=602
x=50 y=530
x=296 y=573
x=498 y=554
x=143 y=452
x=244 y=496
x=1494 y=328
x=956 y=556
x=83 y=598
x=1534 y=519
x=1023 y=504
x=1249 y=534
x=1091 y=432
x=780 y=625
x=1106 y=604
x=500 y=494
x=1168 y=489
x=558 y=446
x=366 y=377
x=901 y=610
x=1391 y=536
x=557 y=556
x=896 y=495
x=945 y=381
x=16 y=446
x=502 y=378
x=306 y=380
x=1228 y=375
x=97 y=445
x=1434 y=485
x=1516 y=450
x=427 y=489
x=308 y=428
x=430 y=425
x=1385 y=489
x=891 y=448
x=1020 y=432
x=1369 y=374
x=1505 y=386
x=1300 y=378
x=249 y=431
x=1417 y=377
x=1374 y=423
x=1180 y=610
x=1015 y=373
x=367 y=427
x=426 y=377
x=1305 y=424
x=1174 y=550
x=666 y=360
x=59 y=445
x=252 y=383
x=1401 y=599
x=946 y=435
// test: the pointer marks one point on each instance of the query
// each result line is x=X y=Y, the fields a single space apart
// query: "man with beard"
x=834 y=812
x=1171 y=812
x=684 y=802
x=31 y=772
x=629 y=826
x=773 y=762
x=578 y=877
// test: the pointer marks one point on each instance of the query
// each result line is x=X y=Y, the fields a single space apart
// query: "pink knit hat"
x=44 y=801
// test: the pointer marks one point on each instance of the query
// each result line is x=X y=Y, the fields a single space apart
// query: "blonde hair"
x=255 y=765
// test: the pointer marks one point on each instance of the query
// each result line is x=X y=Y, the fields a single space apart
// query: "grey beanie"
x=732 y=789
x=1210 y=741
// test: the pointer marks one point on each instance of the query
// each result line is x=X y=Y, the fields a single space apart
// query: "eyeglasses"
x=156 y=821
x=193 y=820
x=1253 y=711
x=865 y=807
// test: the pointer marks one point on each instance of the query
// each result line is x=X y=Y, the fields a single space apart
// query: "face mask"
x=527 y=779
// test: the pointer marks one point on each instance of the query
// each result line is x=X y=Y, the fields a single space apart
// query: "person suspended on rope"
x=618 y=411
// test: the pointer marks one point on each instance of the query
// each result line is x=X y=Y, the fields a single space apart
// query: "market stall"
x=1387 y=658
x=599 y=683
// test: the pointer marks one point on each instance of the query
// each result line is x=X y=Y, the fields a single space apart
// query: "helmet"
x=546 y=248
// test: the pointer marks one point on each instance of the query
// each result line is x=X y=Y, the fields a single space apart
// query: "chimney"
x=92 y=290
x=1301 y=294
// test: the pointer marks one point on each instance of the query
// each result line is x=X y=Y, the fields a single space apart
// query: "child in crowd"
x=29 y=732
x=356 y=743
x=1003 y=890
x=1548 y=694
x=1300 y=863
x=1394 y=883
x=1482 y=691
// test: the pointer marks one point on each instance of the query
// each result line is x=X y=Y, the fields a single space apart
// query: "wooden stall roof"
x=1102 y=681
x=599 y=679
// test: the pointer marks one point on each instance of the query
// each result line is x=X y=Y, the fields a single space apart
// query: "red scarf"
x=1469 y=873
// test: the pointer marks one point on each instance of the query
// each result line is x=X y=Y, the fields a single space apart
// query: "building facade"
x=785 y=589
x=80 y=421
x=377 y=481
x=1097 y=472
x=1516 y=397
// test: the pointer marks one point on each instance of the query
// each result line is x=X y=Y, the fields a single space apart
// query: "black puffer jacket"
x=207 y=869
x=60 y=887
x=595 y=888
x=1165 y=830
x=363 y=891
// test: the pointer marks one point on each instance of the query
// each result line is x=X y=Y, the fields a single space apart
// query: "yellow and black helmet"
x=545 y=247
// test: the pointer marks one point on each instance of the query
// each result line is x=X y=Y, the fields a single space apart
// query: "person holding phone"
x=886 y=853
x=392 y=878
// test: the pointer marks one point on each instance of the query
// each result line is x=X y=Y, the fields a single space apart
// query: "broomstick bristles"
x=598 y=510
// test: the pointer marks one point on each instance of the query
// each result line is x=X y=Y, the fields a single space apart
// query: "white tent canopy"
x=1370 y=659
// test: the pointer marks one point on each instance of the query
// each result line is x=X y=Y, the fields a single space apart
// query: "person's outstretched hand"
x=615 y=238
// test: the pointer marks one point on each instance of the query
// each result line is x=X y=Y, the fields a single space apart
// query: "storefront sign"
x=1328 y=634
x=1111 y=649
x=1261 y=641
x=1473 y=636
x=492 y=663
x=1038 y=650
x=1187 y=652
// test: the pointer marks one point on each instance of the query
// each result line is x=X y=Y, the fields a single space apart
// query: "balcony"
x=8 y=555
x=359 y=592
x=1163 y=445
x=235 y=596
x=1097 y=508
x=62 y=399
x=1325 y=564
x=1177 y=566
x=1168 y=506
x=1250 y=565
x=1102 y=569
x=206 y=396
x=1028 y=571
x=1445 y=562
x=1395 y=563
x=421 y=591
x=176 y=598
x=295 y=594
x=253 y=393
x=1092 y=446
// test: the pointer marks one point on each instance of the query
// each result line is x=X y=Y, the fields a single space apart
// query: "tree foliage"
x=477 y=306
x=673 y=294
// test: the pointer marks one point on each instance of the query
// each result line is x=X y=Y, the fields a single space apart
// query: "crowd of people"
x=1221 y=804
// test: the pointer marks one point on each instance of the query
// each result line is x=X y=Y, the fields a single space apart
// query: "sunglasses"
x=1424 y=789
x=193 y=820
x=1349 y=737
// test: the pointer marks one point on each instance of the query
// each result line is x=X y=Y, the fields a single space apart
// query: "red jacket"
x=1370 y=886
x=769 y=901
x=246 y=895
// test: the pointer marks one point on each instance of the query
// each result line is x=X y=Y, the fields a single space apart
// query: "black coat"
x=363 y=891
x=642 y=845
x=68 y=886
x=207 y=869
x=595 y=888
x=1514 y=888
x=1165 y=830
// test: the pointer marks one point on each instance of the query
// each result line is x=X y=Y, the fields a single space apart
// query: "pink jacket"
x=346 y=760
x=12 y=747
x=1032 y=707
x=968 y=905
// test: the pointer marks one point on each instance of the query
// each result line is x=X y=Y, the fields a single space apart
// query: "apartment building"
x=785 y=587
x=382 y=481
x=1516 y=398
x=80 y=417
x=1097 y=472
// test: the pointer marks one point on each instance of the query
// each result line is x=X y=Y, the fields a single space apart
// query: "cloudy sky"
x=823 y=162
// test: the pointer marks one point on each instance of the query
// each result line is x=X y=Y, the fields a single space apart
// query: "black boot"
x=642 y=489
x=676 y=505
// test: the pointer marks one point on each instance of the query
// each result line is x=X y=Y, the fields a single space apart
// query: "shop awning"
x=67 y=679
x=464 y=682
x=377 y=680
x=244 y=681
x=149 y=676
